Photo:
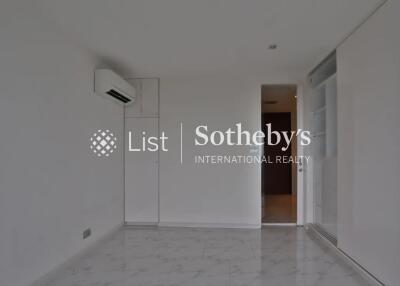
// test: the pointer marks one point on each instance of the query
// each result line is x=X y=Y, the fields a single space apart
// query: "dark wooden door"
x=276 y=177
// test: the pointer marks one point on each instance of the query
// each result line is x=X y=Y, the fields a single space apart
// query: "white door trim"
x=300 y=152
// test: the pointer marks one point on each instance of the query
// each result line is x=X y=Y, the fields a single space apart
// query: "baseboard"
x=53 y=272
x=371 y=279
x=209 y=225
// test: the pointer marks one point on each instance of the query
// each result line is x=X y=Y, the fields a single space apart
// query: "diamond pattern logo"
x=103 y=143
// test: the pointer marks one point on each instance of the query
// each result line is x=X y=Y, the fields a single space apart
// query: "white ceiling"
x=181 y=37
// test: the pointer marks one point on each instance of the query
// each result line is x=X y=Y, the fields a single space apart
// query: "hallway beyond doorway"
x=279 y=180
x=279 y=208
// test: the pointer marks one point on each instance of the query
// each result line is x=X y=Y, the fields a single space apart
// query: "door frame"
x=300 y=152
x=300 y=200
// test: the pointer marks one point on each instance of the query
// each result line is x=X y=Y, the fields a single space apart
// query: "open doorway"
x=279 y=177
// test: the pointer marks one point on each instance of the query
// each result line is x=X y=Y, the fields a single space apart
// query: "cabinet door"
x=141 y=173
x=149 y=97
x=146 y=103
x=135 y=109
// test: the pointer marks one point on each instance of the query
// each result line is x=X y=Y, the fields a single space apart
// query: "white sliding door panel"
x=368 y=106
x=324 y=147
x=141 y=172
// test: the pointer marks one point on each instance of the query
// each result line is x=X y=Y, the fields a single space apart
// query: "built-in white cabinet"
x=146 y=103
x=141 y=167
x=324 y=147
x=141 y=172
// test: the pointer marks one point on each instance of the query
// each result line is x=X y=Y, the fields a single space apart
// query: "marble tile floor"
x=219 y=257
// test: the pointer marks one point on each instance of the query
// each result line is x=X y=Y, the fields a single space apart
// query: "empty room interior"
x=188 y=142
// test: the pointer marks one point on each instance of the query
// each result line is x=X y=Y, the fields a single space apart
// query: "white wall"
x=51 y=186
x=368 y=145
x=212 y=195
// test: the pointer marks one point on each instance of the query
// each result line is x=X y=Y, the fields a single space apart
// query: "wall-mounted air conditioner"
x=110 y=85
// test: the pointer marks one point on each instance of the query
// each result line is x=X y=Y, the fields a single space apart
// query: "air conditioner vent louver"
x=118 y=96
x=112 y=86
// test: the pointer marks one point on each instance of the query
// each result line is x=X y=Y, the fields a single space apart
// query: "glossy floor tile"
x=184 y=256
